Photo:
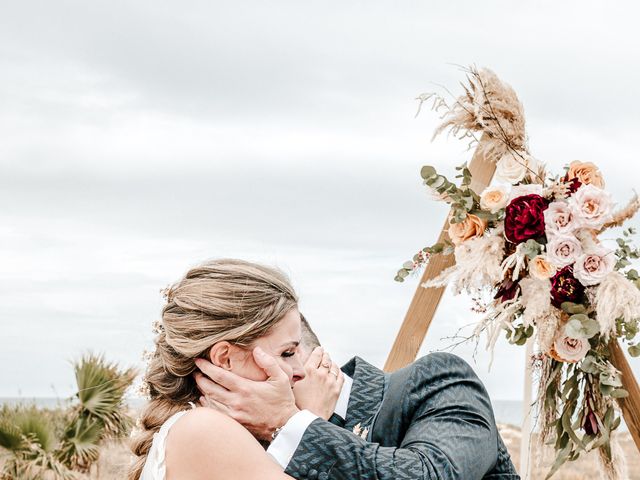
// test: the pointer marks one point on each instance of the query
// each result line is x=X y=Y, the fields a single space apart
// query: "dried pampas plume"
x=488 y=106
x=616 y=297
x=624 y=214
x=477 y=265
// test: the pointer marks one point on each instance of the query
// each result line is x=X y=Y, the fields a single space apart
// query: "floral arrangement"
x=530 y=251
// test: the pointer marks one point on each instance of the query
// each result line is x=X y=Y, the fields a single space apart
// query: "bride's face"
x=282 y=343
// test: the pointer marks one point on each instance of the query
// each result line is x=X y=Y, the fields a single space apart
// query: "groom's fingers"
x=211 y=389
x=315 y=358
x=222 y=377
x=326 y=360
x=268 y=364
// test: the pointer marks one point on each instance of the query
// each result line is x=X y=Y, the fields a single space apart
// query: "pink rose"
x=592 y=206
x=591 y=268
x=560 y=217
x=570 y=350
x=563 y=250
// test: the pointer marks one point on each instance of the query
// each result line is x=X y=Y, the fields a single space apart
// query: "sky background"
x=138 y=138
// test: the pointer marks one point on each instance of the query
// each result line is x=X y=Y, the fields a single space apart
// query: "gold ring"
x=333 y=373
x=326 y=365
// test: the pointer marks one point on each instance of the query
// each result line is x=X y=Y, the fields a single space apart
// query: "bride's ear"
x=220 y=355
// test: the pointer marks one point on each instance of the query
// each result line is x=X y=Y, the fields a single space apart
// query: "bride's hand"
x=318 y=392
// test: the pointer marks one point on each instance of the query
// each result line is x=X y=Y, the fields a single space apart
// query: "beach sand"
x=115 y=458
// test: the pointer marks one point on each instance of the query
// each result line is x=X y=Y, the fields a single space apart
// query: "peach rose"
x=471 y=227
x=541 y=268
x=586 y=172
x=494 y=198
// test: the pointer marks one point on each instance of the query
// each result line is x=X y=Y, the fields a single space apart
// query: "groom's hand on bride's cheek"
x=261 y=406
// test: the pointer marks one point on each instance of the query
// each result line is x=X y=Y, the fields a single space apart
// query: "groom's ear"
x=220 y=355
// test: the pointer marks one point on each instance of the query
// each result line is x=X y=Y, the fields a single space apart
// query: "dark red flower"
x=590 y=425
x=507 y=290
x=573 y=183
x=565 y=287
x=524 y=218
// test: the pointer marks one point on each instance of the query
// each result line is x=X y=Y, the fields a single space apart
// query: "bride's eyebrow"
x=290 y=344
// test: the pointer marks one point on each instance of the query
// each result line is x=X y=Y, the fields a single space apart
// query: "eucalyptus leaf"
x=634 y=350
x=581 y=326
x=427 y=172
x=588 y=365
x=610 y=380
x=572 y=308
x=619 y=393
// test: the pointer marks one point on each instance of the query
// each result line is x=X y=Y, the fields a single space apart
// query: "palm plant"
x=61 y=444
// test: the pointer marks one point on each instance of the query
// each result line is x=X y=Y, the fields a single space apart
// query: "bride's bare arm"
x=207 y=445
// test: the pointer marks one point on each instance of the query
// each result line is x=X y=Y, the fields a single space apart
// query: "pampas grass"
x=489 y=107
x=624 y=214
x=477 y=265
x=616 y=297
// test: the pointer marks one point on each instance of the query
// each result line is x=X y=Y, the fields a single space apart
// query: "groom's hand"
x=260 y=406
x=320 y=388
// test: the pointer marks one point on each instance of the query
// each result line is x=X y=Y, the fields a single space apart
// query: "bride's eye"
x=288 y=354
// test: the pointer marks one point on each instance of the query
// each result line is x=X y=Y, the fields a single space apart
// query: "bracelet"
x=275 y=433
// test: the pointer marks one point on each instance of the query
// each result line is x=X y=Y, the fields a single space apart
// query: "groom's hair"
x=309 y=338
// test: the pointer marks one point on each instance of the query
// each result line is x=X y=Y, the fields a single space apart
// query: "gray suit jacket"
x=430 y=420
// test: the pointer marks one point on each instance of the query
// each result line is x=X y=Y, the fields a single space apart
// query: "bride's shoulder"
x=202 y=421
x=203 y=426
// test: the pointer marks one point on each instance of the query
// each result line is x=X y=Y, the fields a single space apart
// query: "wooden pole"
x=631 y=405
x=425 y=301
x=525 y=439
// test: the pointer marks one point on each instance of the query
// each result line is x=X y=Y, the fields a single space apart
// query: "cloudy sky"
x=138 y=138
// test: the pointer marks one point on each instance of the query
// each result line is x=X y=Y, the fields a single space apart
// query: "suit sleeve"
x=450 y=433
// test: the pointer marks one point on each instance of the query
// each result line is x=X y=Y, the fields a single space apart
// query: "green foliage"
x=520 y=334
x=422 y=258
x=62 y=443
x=581 y=326
x=531 y=248
x=627 y=252
x=462 y=199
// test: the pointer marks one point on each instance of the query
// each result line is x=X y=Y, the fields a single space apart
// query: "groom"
x=430 y=420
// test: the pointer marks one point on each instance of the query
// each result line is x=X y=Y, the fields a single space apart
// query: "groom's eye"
x=288 y=354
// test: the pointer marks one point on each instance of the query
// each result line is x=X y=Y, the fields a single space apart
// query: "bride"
x=244 y=318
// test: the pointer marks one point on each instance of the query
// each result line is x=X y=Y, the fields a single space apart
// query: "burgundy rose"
x=507 y=290
x=565 y=287
x=524 y=218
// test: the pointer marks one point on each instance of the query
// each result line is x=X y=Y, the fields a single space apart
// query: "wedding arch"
x=490 y=115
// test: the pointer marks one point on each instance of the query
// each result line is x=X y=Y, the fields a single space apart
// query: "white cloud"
x=138 y=139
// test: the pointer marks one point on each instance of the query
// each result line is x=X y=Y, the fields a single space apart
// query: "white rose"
x=592 y=205
x=563 y=250
x=522 y=190
x=591 y=268
x=570 y=350
x=560 y=217
x=512 y=168
x=494 y=198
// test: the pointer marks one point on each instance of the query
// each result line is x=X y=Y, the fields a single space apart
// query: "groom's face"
x=282 y=343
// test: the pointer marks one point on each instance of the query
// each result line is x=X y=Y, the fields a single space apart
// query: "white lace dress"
x=155 y=468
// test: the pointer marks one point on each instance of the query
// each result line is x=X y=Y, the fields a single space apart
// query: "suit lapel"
x=366 y=394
